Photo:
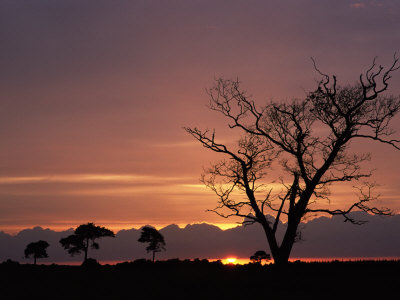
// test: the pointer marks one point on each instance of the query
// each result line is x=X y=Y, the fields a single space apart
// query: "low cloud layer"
x=322 y=238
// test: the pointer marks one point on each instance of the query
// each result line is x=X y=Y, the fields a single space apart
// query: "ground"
x=201 y=280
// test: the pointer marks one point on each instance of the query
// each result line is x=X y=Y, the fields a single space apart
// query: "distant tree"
x=154 y=238
x=90 y=263
x=309 y=140
x=259 y=255
x=84 y=237
x=9 y=262
x=36 y=250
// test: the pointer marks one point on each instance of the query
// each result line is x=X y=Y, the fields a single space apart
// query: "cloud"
x=176 y=144
x=322 y=237
x=358 y=5
x=87 y=178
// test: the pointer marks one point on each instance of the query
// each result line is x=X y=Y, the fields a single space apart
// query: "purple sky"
x=94 y=95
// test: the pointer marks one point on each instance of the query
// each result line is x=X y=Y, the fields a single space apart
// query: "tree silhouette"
x=36 y=250
x=84 y=237
x=259 y=255
x=154 y=238
x=309 y=139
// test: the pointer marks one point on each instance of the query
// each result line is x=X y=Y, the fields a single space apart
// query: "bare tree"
x=310 y=138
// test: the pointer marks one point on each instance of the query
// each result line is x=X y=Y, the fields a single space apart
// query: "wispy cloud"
x=176 y=144
x=87 y=178
x=358 y=5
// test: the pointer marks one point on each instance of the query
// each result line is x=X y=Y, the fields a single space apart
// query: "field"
x=201 y=279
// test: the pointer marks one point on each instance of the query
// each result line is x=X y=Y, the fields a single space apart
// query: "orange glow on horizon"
x=240 y=261
x=231 y=260
x=114 y=226
x=243 y=261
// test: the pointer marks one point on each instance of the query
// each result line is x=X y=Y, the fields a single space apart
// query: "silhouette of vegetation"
x=200 y=279
x=154 y=238
x=84 y=237
x=10 y=262
x=260 y=255
x=310 y=141
x=36 y=250
x=90 y=263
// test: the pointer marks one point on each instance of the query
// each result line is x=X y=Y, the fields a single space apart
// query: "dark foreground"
x=176 y=279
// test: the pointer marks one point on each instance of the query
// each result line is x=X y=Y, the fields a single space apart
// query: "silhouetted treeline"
x=337 y=239
x=200 y=279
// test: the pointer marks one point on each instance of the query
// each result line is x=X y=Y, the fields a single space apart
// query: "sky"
x=94 y=95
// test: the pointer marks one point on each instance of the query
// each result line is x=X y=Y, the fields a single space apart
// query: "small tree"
x=154 y=238
x=259 y=255
x=84 y=237
x=36 y=250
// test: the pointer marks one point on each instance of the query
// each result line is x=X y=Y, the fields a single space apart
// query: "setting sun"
x=231 y=260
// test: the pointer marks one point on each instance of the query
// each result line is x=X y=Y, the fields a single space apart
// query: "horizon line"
x=15 y=230
x=119 y=226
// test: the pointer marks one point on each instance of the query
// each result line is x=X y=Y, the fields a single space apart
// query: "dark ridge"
x=200 y=279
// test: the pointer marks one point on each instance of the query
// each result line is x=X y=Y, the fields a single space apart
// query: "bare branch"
x=308 y=139
x=365 y=198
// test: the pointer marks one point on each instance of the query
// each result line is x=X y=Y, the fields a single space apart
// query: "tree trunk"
x=282 y=258
x=154 y=255
x=281 y=253
x=86 y=250
x=278 y=255
x=34 y=259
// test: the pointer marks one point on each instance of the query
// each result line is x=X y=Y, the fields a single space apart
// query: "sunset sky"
x=94 y=95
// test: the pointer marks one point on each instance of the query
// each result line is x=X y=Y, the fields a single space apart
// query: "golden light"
x=231 y=260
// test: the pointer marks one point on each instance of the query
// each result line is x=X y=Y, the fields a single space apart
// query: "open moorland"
x=200 y=279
